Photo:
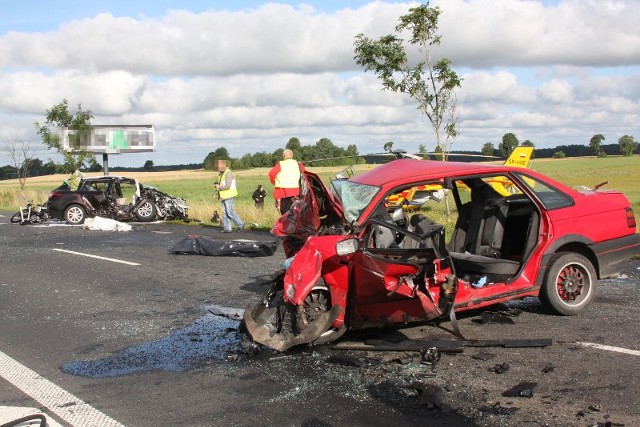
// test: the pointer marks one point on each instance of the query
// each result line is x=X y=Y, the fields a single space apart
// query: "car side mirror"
x=347 y=247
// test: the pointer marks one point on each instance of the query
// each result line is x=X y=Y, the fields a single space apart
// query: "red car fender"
x=317 y=260
x=302 y=274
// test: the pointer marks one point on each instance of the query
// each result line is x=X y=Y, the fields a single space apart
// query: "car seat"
x=477 y=239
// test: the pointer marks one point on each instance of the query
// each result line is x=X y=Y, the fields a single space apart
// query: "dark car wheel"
x=75 y=214
x=146 y=212
x=570 y=284
x=316 y=304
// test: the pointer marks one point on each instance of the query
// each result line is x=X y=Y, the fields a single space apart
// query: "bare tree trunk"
x=21 y=156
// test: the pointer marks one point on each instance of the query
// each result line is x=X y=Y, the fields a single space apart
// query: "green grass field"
x=623 y=174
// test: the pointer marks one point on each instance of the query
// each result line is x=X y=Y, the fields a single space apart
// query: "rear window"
x=551 y=198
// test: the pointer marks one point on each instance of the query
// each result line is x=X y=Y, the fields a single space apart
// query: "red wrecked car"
x=356 y=262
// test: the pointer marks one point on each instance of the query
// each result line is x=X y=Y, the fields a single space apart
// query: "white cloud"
x=249 y=80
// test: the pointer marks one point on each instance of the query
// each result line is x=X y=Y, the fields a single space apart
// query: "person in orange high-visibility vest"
x=285 y=176
x=227 y=192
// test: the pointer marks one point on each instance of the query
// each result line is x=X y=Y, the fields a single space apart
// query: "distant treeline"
x=539 y=153
x=38 y=168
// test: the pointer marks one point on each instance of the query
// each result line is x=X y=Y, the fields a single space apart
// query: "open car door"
x=399 y=272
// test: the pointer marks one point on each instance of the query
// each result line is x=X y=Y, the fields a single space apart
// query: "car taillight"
x=631 y=219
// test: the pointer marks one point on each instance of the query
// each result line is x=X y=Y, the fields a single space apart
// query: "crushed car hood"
x=315 y=208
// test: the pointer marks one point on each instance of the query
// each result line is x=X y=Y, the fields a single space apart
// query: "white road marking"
x=13 y=413
x=610 y=348
x=57 y=400
x=98 y=257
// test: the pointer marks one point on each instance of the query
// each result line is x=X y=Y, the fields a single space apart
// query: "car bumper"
x=612 y=253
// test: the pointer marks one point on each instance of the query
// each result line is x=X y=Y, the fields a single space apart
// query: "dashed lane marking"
x=57 y=400
x=610 y=348
x=96 y=256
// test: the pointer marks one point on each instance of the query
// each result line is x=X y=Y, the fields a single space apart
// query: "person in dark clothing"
x=258 y=197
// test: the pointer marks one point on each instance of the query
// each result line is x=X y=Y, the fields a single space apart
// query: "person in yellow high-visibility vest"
x=227 y=192
x=285 y=176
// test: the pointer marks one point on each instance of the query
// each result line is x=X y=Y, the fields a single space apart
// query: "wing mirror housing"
x=347 y=247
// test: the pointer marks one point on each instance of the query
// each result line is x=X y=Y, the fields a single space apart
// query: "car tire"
x=569 y=285
x=75 y=214
x=146 y=212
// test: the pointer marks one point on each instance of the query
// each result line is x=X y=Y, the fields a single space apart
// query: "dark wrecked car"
x=355 y=262
x=115 y=197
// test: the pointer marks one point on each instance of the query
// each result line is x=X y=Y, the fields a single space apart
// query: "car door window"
x=551 y=198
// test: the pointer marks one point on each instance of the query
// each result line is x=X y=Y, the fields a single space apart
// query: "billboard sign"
x=110 y=139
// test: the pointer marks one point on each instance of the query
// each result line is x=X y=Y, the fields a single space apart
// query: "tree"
x=94 y=166
x=59 y=117
x=627 y=145
x=559 y=155
x=388 y=146
x=431 y=84
x=50 y=168
x=595 y=143
x=437 y=153
x=21 y=156
x=509 y=142
x=488 y=149
x=294 y=145
x=528 y=143
x=220 y=154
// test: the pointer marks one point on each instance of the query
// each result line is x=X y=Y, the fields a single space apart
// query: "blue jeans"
x=229 y=214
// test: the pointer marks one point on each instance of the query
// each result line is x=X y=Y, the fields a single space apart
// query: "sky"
x=250 y=75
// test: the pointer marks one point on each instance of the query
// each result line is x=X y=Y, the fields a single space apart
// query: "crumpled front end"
x=268 y=326
x=297 y=309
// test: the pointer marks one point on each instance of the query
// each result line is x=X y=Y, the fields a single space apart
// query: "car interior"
x=494 y=231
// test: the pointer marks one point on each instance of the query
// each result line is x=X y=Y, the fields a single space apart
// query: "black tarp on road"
x=202 y=245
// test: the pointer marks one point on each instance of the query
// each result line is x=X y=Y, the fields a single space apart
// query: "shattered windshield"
x=354 y=197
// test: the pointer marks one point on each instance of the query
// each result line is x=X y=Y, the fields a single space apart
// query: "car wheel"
x=316 y=304
x=75 y=214
x=570 y=284
x=146 y=212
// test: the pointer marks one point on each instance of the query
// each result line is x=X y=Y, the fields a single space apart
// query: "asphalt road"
x=95 y=341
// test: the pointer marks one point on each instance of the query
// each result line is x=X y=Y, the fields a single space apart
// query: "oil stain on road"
x=210 y=339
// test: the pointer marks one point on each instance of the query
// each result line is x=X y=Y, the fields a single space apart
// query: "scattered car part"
x=523 y=389
x=495 y=317
x=498 y=409
x=346 y=360
x=483 y=356
x=430 y=356
x=444 y=346
x=431 y=395
x=500 y=368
